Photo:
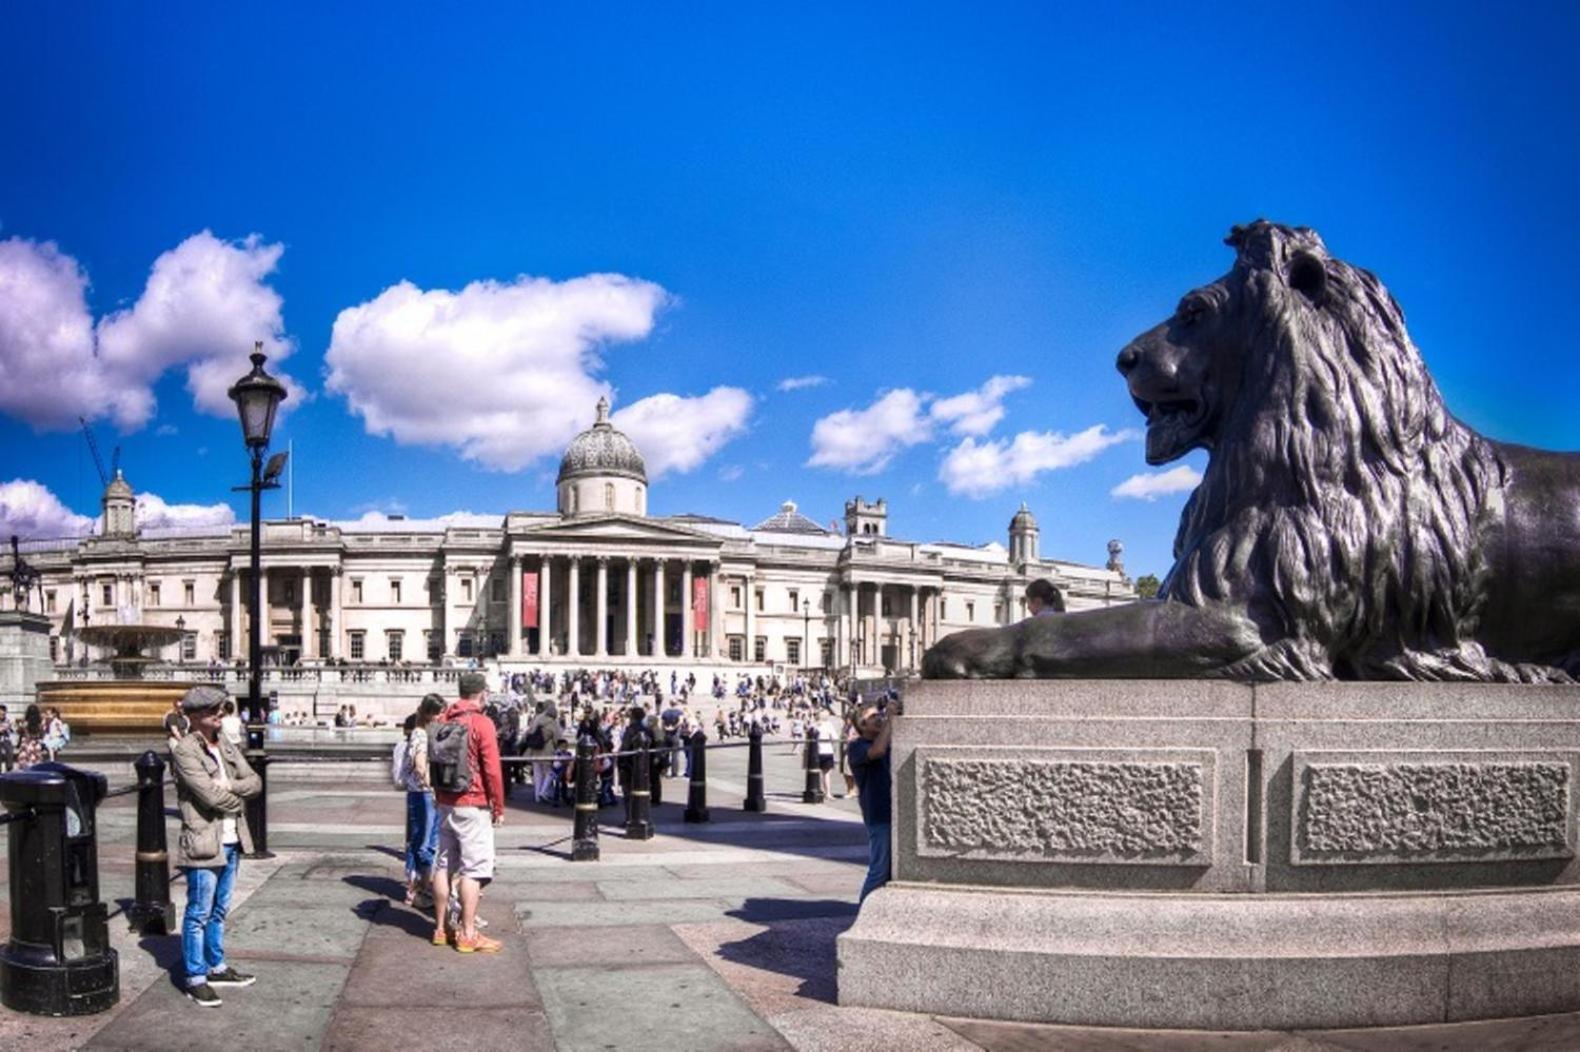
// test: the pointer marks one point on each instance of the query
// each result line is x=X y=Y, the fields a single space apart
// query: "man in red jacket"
x=466 y=825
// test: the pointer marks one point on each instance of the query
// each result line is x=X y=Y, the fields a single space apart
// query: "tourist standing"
x=869 y=762
x=30 y=747
x=212 y=782
x=537 y=744
x=467 y=817
x=176 y=724
x=422 y=816
x=826 y=742
x=230 y=724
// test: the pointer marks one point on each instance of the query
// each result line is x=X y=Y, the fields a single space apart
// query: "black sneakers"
x=231 y=977
x=204 y=996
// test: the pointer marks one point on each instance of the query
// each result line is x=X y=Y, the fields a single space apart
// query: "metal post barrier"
x=584 y=837
x=754 y=771
x=813 y=793
x=639 y=816
x=656 y=746
x=697 y=800
x=258 y=806
x=58 y=960
x=151 y=912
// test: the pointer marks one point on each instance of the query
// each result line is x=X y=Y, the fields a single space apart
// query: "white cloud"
x=977 y=469
x=154 y=512
x=676 y=434
x=731 y=472
x=400 y=520
x=978 y=412
x=863 y=441
x=29 y=510
x=797 y=383
x=502 y=371
x=204 y=304
x=1151 y=486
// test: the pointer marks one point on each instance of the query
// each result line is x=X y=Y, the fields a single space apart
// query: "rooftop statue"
x=1347 y=526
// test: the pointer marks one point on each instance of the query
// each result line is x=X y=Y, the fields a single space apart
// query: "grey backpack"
x=450 y=755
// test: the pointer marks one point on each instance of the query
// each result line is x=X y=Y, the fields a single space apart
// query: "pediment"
x=624 y=528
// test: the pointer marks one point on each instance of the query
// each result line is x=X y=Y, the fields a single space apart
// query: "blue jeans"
x=877 y=859
x=422 y=834
x=203 y=926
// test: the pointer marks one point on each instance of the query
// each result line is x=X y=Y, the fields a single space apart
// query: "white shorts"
x=466 y=842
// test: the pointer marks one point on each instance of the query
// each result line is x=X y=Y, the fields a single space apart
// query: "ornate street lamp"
x=181 y=643
x=257 y=396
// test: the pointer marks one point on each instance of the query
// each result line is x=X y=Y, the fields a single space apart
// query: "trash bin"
x=58 y=960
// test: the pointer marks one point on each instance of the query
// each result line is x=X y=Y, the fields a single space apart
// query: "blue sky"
x=686 y=205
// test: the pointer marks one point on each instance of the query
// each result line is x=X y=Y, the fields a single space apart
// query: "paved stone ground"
x=716 y=936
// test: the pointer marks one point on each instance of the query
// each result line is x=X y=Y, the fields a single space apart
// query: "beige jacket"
x=204 y=802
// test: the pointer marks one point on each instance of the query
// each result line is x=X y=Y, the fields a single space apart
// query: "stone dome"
x=1023 y=519
x=118 y=488
x=602 y=450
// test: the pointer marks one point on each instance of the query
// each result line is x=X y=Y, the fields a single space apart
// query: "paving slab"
x=824 y=1028
x=544 y=891
x=396 y=968
x=288 y=1009
x=363 y=1029
x=325 y=933
x=807 y=867
x=637 y=944
x=532 y=915
x=845 y=885
x=682 y=1008
x=662 y=886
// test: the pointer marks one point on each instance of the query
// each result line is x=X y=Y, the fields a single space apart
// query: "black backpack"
x=450 y=755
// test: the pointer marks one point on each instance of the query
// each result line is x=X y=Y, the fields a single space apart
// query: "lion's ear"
x=1308 y=277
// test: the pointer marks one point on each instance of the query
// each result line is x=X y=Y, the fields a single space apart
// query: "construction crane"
x=98 y=461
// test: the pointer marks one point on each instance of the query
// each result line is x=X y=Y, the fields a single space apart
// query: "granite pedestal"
x=24 y=657
x=1225 y=856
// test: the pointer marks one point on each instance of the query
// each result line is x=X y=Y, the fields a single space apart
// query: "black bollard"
x=814 y=778
x=258 y=806
x=584 y=837
x=639 y=814
x=697 y=801
x=754 y=770
x=151 y=912
x=655 y=781
x=58 y=960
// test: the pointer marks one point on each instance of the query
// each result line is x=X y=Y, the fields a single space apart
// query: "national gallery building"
x=598 y=582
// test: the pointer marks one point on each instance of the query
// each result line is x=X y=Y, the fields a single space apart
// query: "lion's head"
x=1342 y=504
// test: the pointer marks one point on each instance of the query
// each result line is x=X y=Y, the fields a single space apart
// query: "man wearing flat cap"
x=212 y=782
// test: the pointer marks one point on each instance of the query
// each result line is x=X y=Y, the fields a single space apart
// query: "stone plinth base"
x=1217 y=856
x=24 y=657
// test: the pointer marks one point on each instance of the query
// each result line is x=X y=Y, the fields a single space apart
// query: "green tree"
x=1147 y=586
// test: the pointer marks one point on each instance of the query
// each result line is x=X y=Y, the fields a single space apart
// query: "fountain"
x=127 y=703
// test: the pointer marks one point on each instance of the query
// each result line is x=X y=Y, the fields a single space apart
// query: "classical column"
x=545 y=610
x=749 y=594
x=307 y=612
x=631 y=648
x=573 y=643
x=513 y=644
x=336 y=632
x=658 y=608
x=235 y=613
x=687 y=644
x=601 y=630
x=716 y=613
x=911 y=627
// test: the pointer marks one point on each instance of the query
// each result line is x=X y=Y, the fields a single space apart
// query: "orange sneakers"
x=478 y=943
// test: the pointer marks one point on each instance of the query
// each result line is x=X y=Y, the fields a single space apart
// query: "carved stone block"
x=1143 y=806
x=1392 y=808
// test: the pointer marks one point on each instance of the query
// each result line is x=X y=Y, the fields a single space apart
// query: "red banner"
x=529 y=600
x=699 y=602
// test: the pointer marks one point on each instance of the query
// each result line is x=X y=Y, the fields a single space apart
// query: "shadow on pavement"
x=798 y=941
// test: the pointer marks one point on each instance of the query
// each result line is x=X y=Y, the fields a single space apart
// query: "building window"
x=608 y=496
x=49 y=601
x=222 y=645
x=795 y=600
x=827 y=603
x=356 y=589
x=288 y=590
x=793 y=651
x=358 y=645
x=463 y=645
x=759 y=601
x=737 y=648
x=760 y=649
x=54 y=648
x=109 y=595
x=998 y=613
x=496 y=643
x=971 y=613
x=827 y=648
x=189 y=646
x=466 y=589
x=735 y=597
x=153 y=593
x=887 y=608
x=395 y=590
x=434 y=645
x=395 y=643
x=943 y=609
x=573 y=498
x=498 y=586
x=189 y=593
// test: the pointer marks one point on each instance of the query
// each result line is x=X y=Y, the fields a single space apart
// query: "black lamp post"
x=257 y=396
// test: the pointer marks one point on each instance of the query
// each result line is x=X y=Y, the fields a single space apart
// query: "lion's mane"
x=1342 y=502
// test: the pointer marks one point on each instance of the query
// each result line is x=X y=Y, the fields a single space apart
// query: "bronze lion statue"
x=1347 y=525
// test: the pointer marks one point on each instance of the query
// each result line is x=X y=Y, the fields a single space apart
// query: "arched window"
x=608 y=496
x=573 y=499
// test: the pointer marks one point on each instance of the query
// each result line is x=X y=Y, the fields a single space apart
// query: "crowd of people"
x=35 y=737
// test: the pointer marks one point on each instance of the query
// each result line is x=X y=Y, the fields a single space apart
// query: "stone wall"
x=24 y=657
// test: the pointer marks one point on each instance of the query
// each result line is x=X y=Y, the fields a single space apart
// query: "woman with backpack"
x=538 y=746
x=422 y=825
x=30 y=747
